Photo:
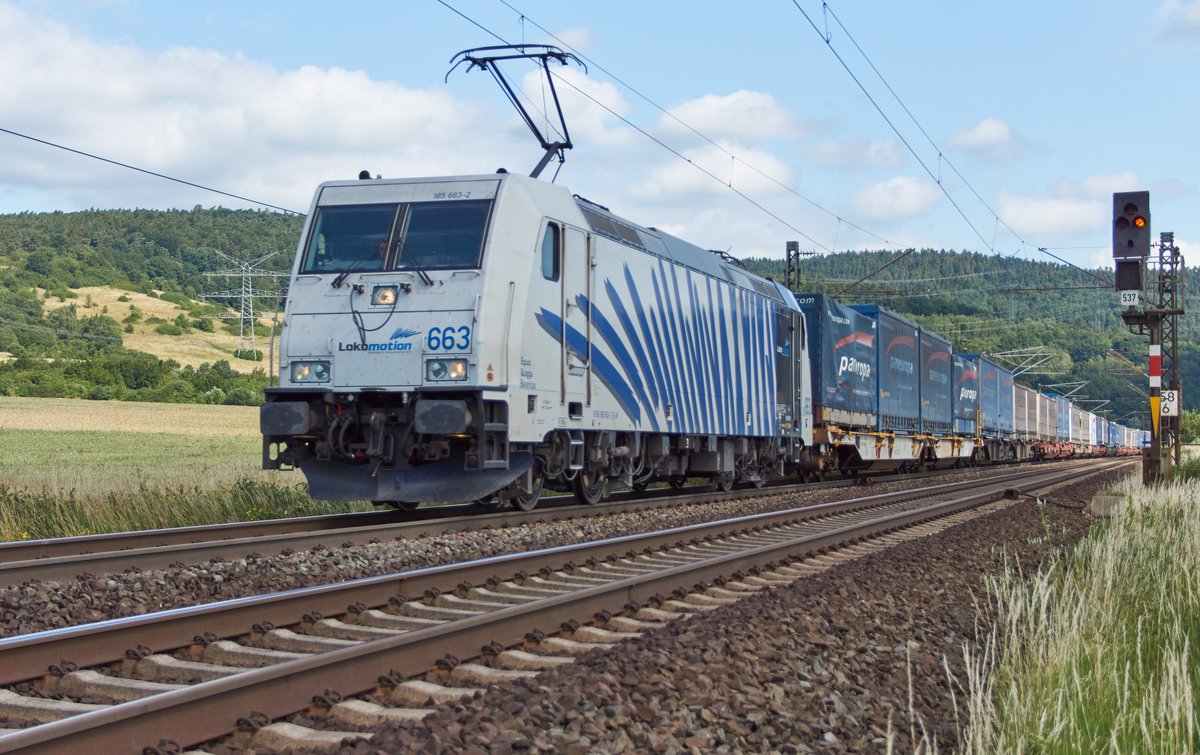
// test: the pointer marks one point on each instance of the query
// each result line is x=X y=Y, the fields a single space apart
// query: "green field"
x=77 y=467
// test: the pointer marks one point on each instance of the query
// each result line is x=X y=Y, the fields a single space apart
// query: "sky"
x=1001 y=128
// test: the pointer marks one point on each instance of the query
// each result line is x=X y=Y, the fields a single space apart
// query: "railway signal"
x=1131 y=243
x=1131 y=225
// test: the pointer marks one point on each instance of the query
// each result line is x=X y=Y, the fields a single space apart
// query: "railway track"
x=67 y=558
x=403 y=623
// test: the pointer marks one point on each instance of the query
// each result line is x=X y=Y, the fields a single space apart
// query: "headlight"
x=437 y=370
x=310 y=372
x=385 y=295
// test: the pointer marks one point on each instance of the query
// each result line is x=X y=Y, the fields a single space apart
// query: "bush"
x=168 y=329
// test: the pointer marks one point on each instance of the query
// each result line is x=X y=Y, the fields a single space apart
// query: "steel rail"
x=212 y=709
x=28 y=656
x=60 y=547
x=158 y=549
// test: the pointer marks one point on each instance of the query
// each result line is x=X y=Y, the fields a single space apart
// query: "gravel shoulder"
x=867 y=652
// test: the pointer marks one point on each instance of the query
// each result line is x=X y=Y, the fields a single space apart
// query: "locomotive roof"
x=605 y=223
x=662 y=244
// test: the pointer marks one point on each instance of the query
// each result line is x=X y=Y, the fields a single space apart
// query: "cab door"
x=576 y=304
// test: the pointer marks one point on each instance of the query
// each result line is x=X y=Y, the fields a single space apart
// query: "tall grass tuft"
x=27 y=514
x=1100 y=651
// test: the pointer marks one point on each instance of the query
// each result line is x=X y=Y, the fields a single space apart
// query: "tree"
x=1189 y=427
x=40 y=263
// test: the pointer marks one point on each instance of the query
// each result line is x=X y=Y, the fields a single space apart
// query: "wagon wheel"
x=722 y=484
x=677 y=481
x=405 y=506
x=590 y=487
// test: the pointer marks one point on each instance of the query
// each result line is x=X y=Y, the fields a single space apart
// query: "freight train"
x=483 y=337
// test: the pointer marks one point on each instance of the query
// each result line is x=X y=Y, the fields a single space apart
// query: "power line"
x=149 y=172
x=895 y=130
x=827 y=38
x=650 y=136
x=689 y=127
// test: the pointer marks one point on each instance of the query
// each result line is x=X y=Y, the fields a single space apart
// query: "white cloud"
x=1098 y=186
x=1054 y=217
x=743 y=116
x=675 y=178
x=1081 y=207
x=591 y=107
x=1100 y=258
x=990 y=139
x=898 y=198
x=577 y=39
x=1180 y=20
x=858 y=154
x=218 y=120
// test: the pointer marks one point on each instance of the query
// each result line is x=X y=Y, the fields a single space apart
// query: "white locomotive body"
x=459 y=338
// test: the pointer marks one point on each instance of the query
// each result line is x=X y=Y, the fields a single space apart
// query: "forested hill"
x=139 y=249
x=983 y=303
x=929 y=282
x=56 y=343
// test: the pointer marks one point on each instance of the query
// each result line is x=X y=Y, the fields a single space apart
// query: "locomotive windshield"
x=405 y=236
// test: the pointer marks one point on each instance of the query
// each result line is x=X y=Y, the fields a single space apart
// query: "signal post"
x=1152 y=310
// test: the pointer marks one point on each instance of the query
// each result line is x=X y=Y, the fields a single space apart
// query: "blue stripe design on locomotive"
x=710 y=355
x=653 y=355
x=631 y=334
x=727 y=366
x=602 y=366
x=670 y=342
x=609 y=334
x=691 y=348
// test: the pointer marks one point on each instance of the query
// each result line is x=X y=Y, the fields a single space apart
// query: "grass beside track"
x=1099 y=652
x=82 y=467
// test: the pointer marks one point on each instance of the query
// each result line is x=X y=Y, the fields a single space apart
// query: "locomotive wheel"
x=527 y=501
x=590 y=488
x=723 y=484
x=677 y=481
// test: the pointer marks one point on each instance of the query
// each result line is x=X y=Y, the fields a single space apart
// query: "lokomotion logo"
x=398 y=342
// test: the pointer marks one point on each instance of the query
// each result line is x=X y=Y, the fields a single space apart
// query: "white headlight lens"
x=385 y=295
x=310 y=372
x=438 y=370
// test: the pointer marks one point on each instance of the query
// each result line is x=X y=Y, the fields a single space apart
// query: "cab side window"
x=551 y=247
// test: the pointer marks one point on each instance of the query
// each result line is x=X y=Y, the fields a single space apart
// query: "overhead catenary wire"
x=150 y=172
x=655 y=139
x=827 y=38
x=717 y=145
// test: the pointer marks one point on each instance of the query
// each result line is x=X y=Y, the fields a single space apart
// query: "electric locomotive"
x=480 y=337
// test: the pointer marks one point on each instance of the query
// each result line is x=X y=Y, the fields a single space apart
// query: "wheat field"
x=73 y=467
x=99 y=447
